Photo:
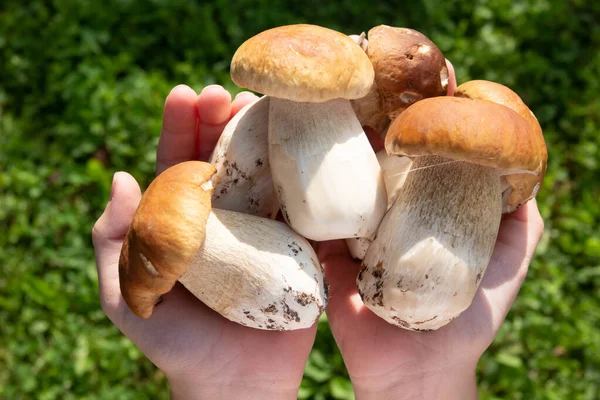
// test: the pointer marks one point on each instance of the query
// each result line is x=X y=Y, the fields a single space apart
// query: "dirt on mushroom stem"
x=434 y=244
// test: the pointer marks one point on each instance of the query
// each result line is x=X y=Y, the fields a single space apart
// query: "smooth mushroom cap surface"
x=451 y=127
x=167 y=230
x=408 y=67
x=303 y=63
x=524 y=186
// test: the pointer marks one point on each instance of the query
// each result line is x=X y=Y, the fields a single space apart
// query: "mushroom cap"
x=303 y=63
x=167 y=231
x=408 y=67
x=524 y=186
x=476 y=131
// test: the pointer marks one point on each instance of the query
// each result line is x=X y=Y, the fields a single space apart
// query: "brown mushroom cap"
x=408 y=67
x=524 y=186
x=476 y=131
x=167 y=231
x=303 y=63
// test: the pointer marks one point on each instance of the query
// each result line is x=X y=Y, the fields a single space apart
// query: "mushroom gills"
x=325 y=172
x=257 y=272
x=434 y=244
x=243 y=181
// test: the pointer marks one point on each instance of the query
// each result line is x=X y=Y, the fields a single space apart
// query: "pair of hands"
x=204 y=355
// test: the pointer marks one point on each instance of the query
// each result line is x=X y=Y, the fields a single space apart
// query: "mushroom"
x=520 y=188
x=408 y=67
x=394 y=169
x=243 y=180
x=434 y=244
x=326 y=176
x=254 y=271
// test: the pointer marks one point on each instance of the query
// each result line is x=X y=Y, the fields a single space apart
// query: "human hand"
x=385 y=361
x=202 y=354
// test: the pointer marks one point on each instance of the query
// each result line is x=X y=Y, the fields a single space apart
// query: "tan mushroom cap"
x=408 y=67
x=167 y=231
x=476 y=131
x=524 y=186
x=303 y=63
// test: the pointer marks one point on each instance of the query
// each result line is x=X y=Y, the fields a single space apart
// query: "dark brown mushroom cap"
x=476 y=131
x=303 y=63
x=408 y=67
x=167 y=231
x=524 y=186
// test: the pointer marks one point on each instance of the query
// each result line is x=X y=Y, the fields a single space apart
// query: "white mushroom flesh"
x=257 y=272
x=433 y=246
x=243 y=180
x=394 y=169
x=325 y=172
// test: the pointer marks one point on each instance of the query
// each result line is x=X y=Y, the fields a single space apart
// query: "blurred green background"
x=82 y=86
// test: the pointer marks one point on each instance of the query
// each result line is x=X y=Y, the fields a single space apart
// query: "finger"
x=241 y=100
x=178 y=138
x=341 y=272
x=108 y=235
x=451 y=78
x=518 y=237
x=214 y=111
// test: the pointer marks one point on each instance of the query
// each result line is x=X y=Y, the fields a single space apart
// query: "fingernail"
x=213 y=86
x=114 y=185
x=245 y=93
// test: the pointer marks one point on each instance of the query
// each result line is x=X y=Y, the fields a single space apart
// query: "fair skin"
x=205 y=356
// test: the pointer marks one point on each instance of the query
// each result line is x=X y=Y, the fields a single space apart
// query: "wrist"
x=453 y=382
x=189 y=389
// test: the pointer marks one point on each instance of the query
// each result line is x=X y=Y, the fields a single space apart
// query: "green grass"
x=81 y=91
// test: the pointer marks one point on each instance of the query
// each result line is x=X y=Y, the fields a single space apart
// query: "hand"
x=385 y=361
x=202 y=354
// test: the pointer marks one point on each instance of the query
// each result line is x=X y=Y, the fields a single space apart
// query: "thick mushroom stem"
x=243 y=181
x=325 y=172
x=394 y=169
x=434 y=244
x=257 y=272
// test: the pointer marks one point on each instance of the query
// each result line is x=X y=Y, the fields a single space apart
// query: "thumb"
x=108 y=235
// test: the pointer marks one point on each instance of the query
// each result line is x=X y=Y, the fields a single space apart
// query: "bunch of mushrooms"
x=254 y=271
x=424 y=213
x=474 y=155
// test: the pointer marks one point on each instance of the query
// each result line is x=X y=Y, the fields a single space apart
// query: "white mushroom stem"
x=394 y=169
x=326 y=176
x=433 y=246
x=243 y=180
x=257 y=272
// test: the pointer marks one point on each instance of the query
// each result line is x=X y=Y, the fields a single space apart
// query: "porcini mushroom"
x=243 y=180
x=251 y=270
x=394 y=169
x=434 y=244
x=519 y=188
x=326 y=176
x=408 y=67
